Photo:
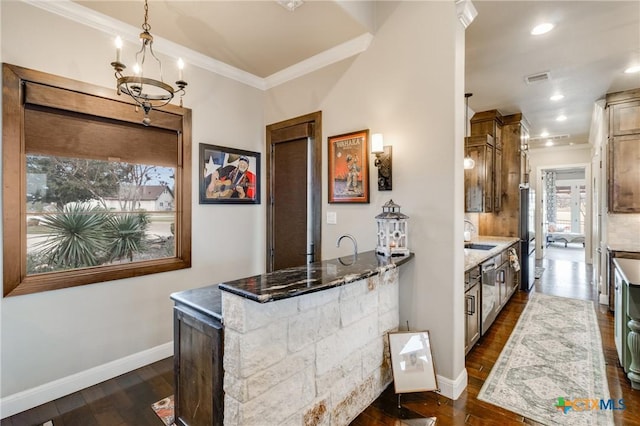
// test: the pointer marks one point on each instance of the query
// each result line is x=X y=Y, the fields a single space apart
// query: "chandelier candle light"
x=392 y=231
x=146 y=92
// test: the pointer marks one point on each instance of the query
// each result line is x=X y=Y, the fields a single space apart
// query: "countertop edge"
x=630 y=269
x=340 y=281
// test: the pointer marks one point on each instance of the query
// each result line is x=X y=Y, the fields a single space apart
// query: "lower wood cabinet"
x=198 y=369
x=472 y=300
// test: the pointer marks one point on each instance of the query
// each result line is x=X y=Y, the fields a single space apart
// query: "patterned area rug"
x=164 y=410
x=552 y=368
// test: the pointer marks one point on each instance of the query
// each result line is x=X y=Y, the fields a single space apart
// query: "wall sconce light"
x=382 y=161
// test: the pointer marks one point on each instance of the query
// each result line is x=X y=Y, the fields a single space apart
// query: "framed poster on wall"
x=349 y=167
x=229 y=175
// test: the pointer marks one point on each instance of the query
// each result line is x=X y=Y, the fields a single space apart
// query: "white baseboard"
x=452 y=389
x=604 y=299
x=39 y=395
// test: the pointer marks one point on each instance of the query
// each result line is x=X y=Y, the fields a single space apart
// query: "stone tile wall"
x=316 y=359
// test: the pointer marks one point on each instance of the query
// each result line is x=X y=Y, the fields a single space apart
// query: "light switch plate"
x=332 y=218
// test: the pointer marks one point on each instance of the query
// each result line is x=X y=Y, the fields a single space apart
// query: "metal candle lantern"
x=393 y=230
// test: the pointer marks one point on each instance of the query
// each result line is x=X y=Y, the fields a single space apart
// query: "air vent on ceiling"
x=538 y=78
x=552 y=137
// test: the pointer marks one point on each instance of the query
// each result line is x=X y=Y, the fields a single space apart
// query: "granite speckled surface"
x=474 y=257
x=290 y=282
x=313 y=277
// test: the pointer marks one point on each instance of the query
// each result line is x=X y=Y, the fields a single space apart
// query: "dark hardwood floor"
x=126 y=400
x=122 y=401
x=565 y=276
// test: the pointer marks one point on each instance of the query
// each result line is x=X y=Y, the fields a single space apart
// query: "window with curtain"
x=90 y=194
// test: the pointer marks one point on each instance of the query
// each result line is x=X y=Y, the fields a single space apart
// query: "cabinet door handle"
x=471 y=305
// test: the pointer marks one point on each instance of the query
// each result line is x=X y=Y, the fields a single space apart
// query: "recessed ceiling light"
x=544 y=134
x=633 y=69
x=556 y=97
x=290 y=5
x=561 y=118
x=542 y=28
x=549 y=143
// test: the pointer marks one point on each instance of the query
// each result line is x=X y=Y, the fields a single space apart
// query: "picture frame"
x=229 y=175
x=349 y=167
x=412 y=362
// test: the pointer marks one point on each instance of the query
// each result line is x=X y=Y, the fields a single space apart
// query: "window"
x=90 y=194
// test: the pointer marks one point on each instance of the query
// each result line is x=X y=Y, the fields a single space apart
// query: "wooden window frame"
x=78 y=97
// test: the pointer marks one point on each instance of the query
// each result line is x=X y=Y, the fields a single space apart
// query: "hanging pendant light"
x=468 y=161
x=147 y=93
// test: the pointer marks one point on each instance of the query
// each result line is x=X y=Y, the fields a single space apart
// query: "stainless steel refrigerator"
x=527 y=236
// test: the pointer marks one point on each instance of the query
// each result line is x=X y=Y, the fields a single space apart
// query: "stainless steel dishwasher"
x=489 y=294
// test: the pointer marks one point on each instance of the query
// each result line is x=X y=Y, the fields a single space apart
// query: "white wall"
x=409 y=86
x=48 y=338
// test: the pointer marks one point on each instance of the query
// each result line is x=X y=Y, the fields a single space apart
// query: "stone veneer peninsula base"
x=316 y=354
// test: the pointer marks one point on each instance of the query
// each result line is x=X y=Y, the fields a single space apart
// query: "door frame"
x=588 y=219
x=314 y=120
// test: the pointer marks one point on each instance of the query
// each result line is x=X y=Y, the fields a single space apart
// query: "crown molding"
x=335 y=54
x=85 y=16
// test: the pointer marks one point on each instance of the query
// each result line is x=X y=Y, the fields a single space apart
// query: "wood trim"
x=15 y=281
x=14 y=261
x=288 y=129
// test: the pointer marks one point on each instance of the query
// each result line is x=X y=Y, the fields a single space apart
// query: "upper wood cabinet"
x=624 y=151
x=478 y=182
x=483 y=183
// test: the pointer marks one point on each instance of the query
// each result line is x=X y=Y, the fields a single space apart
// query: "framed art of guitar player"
x=229 y=175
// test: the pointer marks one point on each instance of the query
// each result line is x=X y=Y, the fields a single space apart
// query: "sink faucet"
x=353 y=240
x=468 y=234
x=473 y=227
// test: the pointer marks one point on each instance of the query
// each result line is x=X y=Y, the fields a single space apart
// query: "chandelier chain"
x=147 y=93
x=146 y=27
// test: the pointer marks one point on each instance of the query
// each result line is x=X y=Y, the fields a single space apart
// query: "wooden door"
x=294 y=192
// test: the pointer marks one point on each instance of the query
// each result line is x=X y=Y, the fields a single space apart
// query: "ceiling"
x=584 y=55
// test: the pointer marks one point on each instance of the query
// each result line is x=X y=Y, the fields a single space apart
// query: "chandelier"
x=148 y=93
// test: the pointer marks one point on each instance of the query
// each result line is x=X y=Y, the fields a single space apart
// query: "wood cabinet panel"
x=472 y=307
x=478 y=182
x=625 y=119
x=198 y=369
x=624 y=174
x=624 y=151
x=497 y=180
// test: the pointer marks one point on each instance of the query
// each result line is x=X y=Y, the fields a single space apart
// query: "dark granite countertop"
x=310 y=278
x=207 y=300
x=290 y=282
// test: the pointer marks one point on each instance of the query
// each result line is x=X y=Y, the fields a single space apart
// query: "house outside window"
x=90 y=194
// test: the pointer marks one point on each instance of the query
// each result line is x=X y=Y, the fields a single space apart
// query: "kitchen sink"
x=475 y=246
